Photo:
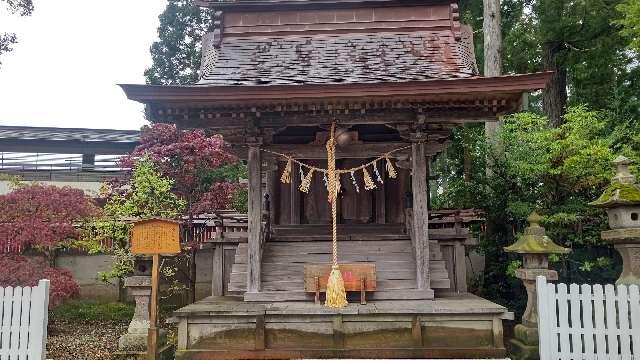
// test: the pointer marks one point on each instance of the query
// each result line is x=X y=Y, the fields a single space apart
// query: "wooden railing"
x=450 y=228
x=222 y=226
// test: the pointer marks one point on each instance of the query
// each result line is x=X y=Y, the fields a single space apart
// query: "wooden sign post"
x=155 y=237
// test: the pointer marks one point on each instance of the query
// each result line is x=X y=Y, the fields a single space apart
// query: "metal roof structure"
x=38 y=152
x=67 y=140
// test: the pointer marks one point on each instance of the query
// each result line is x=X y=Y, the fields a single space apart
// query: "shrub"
x=19 y=270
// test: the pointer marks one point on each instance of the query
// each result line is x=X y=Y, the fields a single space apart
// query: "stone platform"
x=463 y=326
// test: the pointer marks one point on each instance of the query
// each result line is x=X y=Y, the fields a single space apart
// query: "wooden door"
x=356 y=207
x=315 y=204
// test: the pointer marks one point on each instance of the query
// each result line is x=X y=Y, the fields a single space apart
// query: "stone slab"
x=460 y=304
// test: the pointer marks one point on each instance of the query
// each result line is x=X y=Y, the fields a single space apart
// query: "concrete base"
x=164 y=353
x=228 y=328
x=133 y=342
x=137 y=342
x=520 y=351
x=525 y=344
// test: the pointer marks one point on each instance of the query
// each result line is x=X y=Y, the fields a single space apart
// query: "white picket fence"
x=587 y=321
x=23 y=319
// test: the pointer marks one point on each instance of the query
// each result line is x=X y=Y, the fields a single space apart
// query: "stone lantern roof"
x=623 y=190
x=535 y=241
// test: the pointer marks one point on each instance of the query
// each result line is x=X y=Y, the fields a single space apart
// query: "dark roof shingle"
x=339 y=58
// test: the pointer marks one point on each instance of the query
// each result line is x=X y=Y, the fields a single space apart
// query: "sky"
x=70 y=56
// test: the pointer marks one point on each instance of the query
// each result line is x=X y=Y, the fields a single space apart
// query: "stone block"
x=521 y=351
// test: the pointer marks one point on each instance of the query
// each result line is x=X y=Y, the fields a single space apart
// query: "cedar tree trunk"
x=554 y=98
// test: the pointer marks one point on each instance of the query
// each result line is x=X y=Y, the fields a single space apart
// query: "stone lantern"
x=535 y=247
x=621 y=199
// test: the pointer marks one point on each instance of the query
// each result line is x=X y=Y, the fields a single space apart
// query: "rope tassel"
x=368 y=181
x=390 y=170
x=336 y=296
x=306 y=182
x=286 y=174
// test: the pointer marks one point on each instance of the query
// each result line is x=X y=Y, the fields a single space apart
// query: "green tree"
x=146 y=195
x=557 y=171
x=630 y=22
x=21 y=8
x=176 y=53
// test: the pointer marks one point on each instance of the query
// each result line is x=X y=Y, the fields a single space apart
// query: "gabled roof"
x=340 y=58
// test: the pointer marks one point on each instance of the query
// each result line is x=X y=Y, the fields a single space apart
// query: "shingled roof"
x=340 y=58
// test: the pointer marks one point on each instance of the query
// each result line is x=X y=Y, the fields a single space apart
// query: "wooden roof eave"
x=247 y=97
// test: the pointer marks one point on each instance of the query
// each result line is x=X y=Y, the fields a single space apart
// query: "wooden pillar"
x=272 y=184
x=420 y=213
x=295 y=195
x=217 y=274
x=380 y=194
x=254 y=244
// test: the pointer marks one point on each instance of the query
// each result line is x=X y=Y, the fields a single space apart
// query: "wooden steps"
x=285 y=256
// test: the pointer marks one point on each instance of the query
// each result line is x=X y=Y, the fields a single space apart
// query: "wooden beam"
x=224 y=120
x=360 y=151
x=254 y=218
x=420 y=214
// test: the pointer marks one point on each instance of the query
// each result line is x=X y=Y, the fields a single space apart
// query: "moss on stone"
x=535 y=244
x=618 y=194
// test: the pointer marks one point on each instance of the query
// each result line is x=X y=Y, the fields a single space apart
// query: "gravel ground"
x=83 y=341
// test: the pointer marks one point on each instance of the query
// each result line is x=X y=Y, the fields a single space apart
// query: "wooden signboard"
x=155 y=236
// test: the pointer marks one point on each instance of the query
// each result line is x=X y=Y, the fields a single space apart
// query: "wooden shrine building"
x=391 y=74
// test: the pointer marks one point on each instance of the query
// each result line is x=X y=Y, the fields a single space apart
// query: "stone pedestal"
x=627 y=243
x=136 y=337
x=524 y=345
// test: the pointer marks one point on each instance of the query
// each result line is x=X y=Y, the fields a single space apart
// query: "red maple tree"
x=187 y=156
x=36 y=219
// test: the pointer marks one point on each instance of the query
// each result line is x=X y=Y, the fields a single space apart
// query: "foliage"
x=19 y=270
x=557 y=171
x=219 y=196
x=584 y=38
x=146 y=195
x=41 y=218
x=630 y=22
x=20 y=7
x=193 y=160
x=176 y=53
x=41 y=215
x=83 y=311
x=240 y=200
x=122 y=266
